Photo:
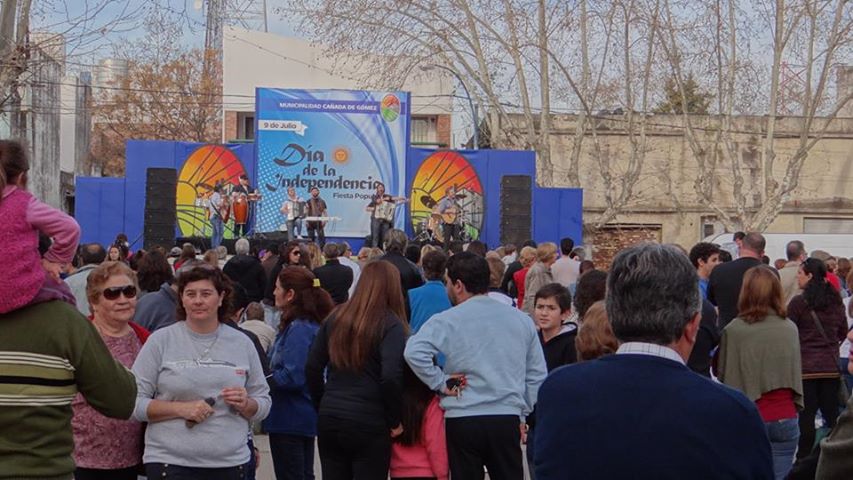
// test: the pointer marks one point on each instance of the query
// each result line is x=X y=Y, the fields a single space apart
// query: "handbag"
x=843 y=394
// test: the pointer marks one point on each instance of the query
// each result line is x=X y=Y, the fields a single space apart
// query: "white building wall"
x=67 y=123
x=257 y=59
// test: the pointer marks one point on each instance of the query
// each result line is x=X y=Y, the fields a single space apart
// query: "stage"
x=343 y=142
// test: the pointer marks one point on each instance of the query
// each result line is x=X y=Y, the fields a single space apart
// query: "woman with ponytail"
x=822 y=324
x=292 y=422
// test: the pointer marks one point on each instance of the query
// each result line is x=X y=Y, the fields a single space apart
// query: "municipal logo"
x=390 y=107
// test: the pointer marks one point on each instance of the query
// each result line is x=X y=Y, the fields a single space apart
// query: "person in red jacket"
x=527 y=259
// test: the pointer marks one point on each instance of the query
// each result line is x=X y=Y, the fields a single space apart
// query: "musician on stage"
x=218 y=204
x=450 y=218
x=292 y=214
x=381 y=208
x=316 y=207
x=240 y=198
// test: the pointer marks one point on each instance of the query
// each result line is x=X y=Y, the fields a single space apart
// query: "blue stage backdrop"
x=99 y=208
x=341 y=141
x=107 y=206
x=477 y=175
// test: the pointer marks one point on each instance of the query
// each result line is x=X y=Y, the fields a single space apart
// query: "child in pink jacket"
x=421 y=450
x=26 y=277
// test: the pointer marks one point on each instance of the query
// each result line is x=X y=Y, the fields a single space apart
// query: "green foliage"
x=693 y=101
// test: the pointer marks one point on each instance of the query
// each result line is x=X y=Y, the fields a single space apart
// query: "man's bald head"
x=92 y=254
x=753 y=245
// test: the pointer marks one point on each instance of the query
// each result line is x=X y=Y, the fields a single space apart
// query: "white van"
x=836 y=244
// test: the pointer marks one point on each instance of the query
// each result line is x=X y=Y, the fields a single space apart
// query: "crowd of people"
x=413 y=361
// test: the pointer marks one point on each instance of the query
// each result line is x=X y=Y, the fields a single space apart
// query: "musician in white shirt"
x=381 y=208
x=291 y=210
x=217 y=208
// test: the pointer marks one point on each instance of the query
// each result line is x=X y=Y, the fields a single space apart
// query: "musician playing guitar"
x=240 y=198
x=219 y=209
x=449 y=210
x=381 y=208
x=316 y=207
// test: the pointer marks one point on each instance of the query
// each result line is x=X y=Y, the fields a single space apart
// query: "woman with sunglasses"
x=200 y=384
x=104 y=447
x=290 y=254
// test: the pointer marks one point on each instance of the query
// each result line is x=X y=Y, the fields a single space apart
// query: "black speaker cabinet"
x=516 y=209
x=161 y=213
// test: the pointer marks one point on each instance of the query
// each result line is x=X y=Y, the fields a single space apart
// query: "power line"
x=193 y=94
x=295 y=60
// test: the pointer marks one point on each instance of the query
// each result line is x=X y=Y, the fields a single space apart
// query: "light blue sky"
x=91 y=27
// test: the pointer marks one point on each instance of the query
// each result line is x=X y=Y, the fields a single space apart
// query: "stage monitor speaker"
x=160 y=207
x=202 y=244
x=516 y=209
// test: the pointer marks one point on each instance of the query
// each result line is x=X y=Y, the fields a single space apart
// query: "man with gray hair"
x=643 y=406
x=334 y=277
x=246 y=270
x=795 y=251
x=92 y=255
x=395 y=245
x=346 y=260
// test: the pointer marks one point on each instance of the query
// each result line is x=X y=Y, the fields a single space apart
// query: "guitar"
x=450 y=215
x=225 y=209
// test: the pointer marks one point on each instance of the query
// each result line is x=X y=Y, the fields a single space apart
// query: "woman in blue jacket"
x=292 y=422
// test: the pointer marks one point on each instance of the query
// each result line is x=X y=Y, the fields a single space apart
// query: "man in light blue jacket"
x=493 y=350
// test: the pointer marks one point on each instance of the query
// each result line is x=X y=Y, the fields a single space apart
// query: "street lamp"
x=427 y=68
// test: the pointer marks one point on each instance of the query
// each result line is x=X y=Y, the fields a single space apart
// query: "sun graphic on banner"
x=204 y=168
x=436 y=174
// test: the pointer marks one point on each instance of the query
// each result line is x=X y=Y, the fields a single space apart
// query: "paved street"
x=265 y=472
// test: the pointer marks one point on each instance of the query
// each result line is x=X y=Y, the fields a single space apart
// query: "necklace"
x=204 y=355
x=107 y=333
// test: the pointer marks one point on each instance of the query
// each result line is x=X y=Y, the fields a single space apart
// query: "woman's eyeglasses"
x=112 y=293
x=296 y=252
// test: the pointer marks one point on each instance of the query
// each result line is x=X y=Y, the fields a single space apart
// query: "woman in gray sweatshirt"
x=199 y=385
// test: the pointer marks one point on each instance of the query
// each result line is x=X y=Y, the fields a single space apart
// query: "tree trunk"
x=546 y=179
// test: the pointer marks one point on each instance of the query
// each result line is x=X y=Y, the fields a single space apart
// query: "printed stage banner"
x=342 y=141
